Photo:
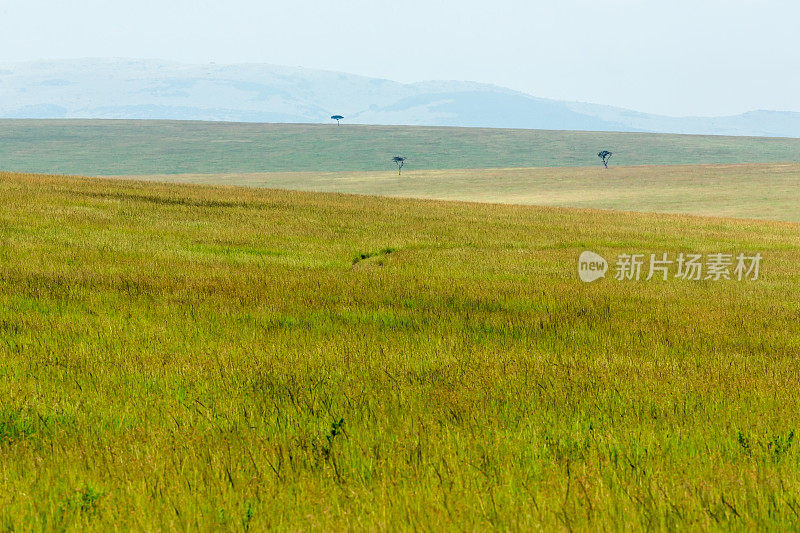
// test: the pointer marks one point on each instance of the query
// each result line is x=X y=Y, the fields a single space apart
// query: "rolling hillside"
x=182 y=357
x=171 y=147
x=769 y=191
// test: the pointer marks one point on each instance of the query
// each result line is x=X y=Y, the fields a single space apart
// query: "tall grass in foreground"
x=176 y=357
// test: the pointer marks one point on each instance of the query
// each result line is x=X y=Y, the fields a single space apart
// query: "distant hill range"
x=144 y=89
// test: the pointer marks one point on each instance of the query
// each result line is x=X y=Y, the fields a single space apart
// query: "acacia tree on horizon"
x=605 y=155
x=400 y=161
x=337 y=118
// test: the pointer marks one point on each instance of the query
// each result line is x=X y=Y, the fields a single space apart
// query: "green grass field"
x=96 y=147
x=761 y=191
x=218 y=358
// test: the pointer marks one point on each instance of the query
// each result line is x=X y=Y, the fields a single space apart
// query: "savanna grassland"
x=222 y=358
x=131 y=147
x=743 y=177
x=768 y=191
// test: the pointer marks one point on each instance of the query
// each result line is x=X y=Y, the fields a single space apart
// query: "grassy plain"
x=107 y=147
x=761 y=191
x=187 y=357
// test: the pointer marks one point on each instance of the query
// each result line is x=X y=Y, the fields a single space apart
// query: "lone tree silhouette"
x=337 y=118
x=400 y=162
x=605 y=155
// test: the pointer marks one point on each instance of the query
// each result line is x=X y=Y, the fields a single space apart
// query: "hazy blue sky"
x=673 y=57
